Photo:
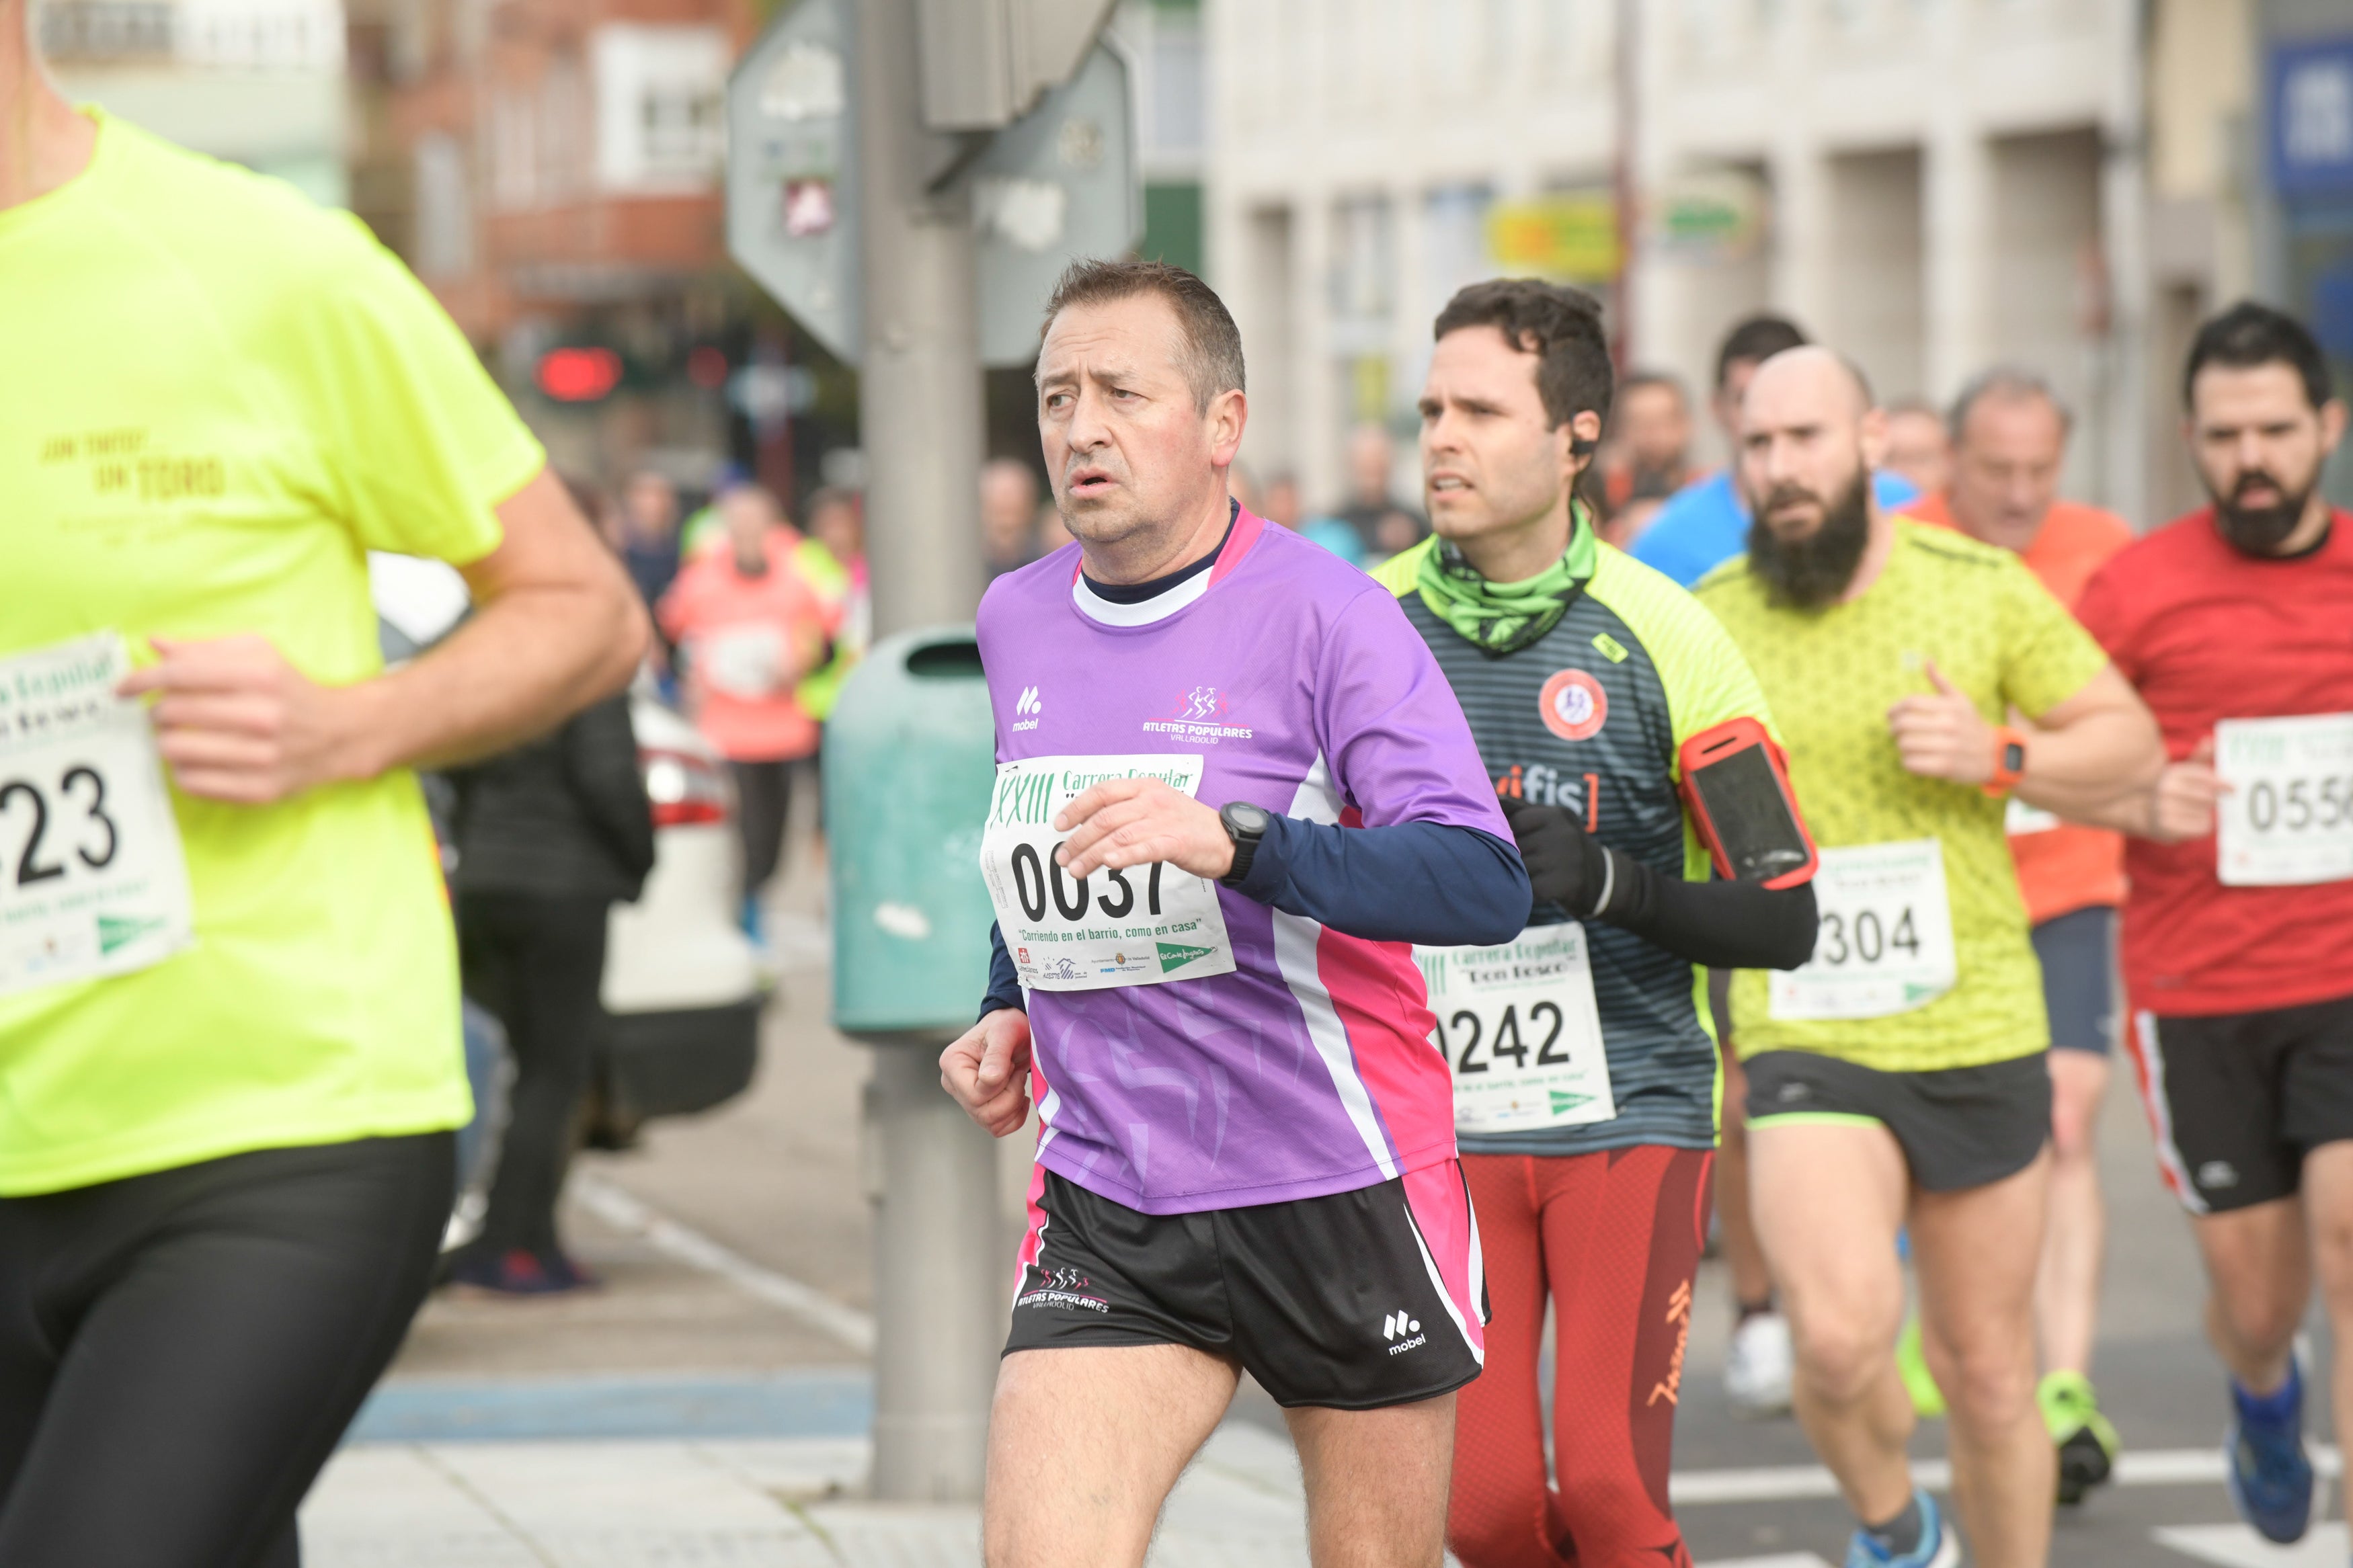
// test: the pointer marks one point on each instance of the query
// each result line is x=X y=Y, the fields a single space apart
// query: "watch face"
x=2013 y=758
x=1248 y=819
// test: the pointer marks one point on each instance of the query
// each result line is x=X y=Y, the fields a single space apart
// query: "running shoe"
x=521 y=1273
x=2269 y=1473
x=1757 y=1367
x=2087 y=1443
x=1912 y=1365
x=1938 y=1548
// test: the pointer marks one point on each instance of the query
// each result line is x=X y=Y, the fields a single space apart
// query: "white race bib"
x=746 y=661
x=2286 y=816
x=1138 y=925
x=1886 y=940
x=2020 y=819
x=93 y=882
x=1520 y=1031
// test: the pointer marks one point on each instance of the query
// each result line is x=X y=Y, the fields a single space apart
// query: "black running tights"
x=181 y=1351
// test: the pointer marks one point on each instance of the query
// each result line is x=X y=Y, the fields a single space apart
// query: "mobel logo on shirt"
x=1199 y=716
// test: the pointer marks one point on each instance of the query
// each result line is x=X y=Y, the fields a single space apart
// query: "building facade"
x=1930 y=185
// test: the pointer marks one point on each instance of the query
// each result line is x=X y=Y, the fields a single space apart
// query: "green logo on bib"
x=114 y=931
x=1561 y=1102
x=1175 y=957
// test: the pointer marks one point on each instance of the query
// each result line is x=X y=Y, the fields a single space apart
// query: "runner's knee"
x=1841 y=1351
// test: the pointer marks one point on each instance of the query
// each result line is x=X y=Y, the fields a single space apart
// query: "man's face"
x=1125 y=447
x=1491 y=460
x=748 y=515
x=1808 y=443
x=1919 y=449
x=2006 y=468
x=1008 y=502
x=650 y=506
x=2259 y=446
x=1371 y=462
x=1653 y=427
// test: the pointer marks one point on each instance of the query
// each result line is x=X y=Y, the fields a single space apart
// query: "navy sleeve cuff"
x=1004 y=985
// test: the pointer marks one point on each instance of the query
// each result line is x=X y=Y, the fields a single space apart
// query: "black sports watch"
x=1245 y=824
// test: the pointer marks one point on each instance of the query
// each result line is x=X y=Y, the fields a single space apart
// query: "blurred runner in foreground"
x=1897 y=1079
x=2010 y=442
x=2232 y=622
x=1231 y=785
x=229 y=1039
x=1586 y=1139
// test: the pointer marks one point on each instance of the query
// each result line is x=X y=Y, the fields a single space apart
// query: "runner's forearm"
x=2097 y=749
x=1413 y=881
x=1724 y=925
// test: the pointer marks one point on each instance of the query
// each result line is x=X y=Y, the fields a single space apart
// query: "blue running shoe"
x=1938 y=1548
x=2269 y=1474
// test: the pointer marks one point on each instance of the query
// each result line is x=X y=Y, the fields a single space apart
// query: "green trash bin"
x=910 y=761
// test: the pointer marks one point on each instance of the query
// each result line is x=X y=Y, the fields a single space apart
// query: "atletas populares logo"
x=1201 y=717
x=1573 y=705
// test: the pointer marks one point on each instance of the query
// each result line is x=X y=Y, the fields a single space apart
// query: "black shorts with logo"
x=1352 y=1301
x=2236 y=1100
x=1958 y=1126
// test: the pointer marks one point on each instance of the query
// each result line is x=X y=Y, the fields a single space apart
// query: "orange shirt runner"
x=2061 y=867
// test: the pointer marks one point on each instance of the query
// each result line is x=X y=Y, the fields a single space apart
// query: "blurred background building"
x=1930 y=185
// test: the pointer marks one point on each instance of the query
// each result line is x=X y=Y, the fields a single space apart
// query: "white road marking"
x=2162 y=1467
x=2236 y=1546
x=627 y=1212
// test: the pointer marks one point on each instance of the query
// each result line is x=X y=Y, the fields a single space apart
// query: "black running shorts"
x=1353 y=1301
x=2078 y=955
x=2236 y=1100
x=1958 y=1126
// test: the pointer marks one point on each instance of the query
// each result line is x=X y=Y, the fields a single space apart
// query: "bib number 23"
x=93 y=880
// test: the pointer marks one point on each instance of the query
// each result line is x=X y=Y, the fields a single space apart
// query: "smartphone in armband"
x=1737 y=786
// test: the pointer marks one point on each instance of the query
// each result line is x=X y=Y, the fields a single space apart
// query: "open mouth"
x=1086 y=483
x=1449 y=484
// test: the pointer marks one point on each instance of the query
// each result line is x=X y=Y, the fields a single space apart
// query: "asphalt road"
x=760 y=1303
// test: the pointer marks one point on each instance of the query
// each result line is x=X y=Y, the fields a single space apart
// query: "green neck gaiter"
x=1505 y=617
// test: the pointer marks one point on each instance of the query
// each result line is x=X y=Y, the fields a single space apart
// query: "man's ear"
x=1229 y=413
x=1579 y=438
x=2332 y=423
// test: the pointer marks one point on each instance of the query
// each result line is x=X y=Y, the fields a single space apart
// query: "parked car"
x=684 y=985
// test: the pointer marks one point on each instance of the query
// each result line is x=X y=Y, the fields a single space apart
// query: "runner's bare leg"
x=1084 y=1443
x=1742 y=1256
x=2328 y=1203
x=2259 y=1281
x=1377 y=1483
x=1975 y=1251
x=1829 y=1199
x=2067 y=1285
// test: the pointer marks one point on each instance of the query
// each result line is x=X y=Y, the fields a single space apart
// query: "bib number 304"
x=93 y=879
x=1885 y=943
x=1133 y=925
x=1520 y=1031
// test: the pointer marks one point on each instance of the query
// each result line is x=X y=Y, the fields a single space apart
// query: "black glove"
x=1567 y=866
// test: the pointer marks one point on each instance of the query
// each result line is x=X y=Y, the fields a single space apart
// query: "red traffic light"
x=578 y=374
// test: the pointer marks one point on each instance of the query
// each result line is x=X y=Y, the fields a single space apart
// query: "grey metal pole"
x=939 y=1297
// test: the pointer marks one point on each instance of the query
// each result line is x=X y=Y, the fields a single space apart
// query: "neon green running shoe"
x=1927 y=1399
x=2087 y=1443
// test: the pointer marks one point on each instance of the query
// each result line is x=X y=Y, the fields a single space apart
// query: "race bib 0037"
x=1136 y=925
x=2286 y=814
x=1886 y=942
x=93 y=882
x=1520 y=1031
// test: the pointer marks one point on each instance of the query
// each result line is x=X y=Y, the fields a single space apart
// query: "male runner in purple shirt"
x=1233 y=789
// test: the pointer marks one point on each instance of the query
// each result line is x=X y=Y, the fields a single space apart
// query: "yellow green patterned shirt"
x=1831 y=676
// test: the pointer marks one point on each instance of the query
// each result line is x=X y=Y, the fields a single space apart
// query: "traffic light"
x=986 y=63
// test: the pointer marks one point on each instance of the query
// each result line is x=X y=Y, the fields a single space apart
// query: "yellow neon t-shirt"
x=1995 y=634
x=218 y=398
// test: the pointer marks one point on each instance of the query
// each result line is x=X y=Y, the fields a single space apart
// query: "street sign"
x=1057 y=184
x=2310 y=106
x=987 y=62
x=1718 y=216
x=792 y=171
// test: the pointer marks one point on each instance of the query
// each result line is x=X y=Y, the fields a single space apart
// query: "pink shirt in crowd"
x=748 y=643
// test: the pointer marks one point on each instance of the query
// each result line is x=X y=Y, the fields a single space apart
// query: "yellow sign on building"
x=1571 y=238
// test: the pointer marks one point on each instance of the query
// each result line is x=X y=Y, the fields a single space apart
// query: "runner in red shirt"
x=2232 y=623
x=2010 y=441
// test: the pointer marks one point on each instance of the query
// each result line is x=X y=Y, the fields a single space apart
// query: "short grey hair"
x=1213 y=347
x=2010 y=383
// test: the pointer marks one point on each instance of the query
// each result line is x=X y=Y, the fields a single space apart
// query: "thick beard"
x=2261 y=529
x=1808 y=573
